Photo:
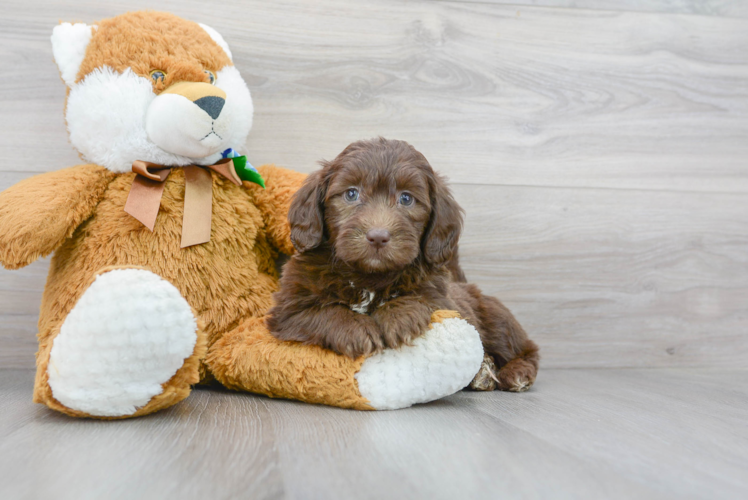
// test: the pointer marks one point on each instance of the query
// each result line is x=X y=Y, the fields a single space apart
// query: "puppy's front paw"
x=363 y=339
x=400 y=329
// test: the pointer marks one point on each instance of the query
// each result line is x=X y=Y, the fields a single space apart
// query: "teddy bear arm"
x=39 y=213
x=274 y=202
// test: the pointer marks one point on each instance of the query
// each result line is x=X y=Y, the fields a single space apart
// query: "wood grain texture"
x=601 y=156
x=720 y=8
x=559 y=97
x=613 y=277
x=576 y=434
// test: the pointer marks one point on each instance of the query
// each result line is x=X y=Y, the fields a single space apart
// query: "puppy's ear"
x=443 y=232
x=306 y=214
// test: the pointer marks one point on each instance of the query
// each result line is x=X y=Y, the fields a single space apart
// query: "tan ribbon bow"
x=144 y=199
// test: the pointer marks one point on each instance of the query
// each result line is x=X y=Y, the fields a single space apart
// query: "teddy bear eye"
x=406 y=199
x=351 y=194
x=157 y=75
x=211 y=76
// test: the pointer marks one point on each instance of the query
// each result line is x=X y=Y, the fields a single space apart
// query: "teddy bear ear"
x=69 y=42
x=218 y=39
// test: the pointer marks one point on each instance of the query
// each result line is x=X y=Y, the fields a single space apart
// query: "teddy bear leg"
x=438 y=364
x=130 y=346
x=249 y=358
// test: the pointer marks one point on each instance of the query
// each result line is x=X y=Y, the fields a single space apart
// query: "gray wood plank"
x=551 y=97
x=577 y=434
x=612 y=277
x=664 y=428
x=720 y=8
x=18 y=341
x=188 y=451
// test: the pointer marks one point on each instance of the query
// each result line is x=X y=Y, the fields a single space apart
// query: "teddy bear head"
x=150 y=86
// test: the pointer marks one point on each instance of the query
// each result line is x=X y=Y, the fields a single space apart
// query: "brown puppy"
x=376 y=231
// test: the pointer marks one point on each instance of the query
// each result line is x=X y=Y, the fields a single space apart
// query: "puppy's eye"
x=158 y=76
x=406 y=199
x=351 y=194
x=211 y=76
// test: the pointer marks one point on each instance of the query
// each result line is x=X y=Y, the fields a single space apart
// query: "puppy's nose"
x=211 y=104
x=378 y=237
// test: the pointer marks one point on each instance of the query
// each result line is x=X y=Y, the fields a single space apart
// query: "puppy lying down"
x=376 y=231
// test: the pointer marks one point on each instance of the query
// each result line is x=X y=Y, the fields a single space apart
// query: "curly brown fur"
x=376 y=231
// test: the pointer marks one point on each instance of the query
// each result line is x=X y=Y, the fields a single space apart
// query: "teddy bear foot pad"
x=438 y=364
x=126 y=337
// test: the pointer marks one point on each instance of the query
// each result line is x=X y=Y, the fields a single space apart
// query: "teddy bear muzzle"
x=187 y=119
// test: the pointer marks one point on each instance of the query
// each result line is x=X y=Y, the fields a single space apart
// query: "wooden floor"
x=600 y=149
x=586 y=433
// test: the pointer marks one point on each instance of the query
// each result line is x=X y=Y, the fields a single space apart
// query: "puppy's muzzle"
x=378 y=237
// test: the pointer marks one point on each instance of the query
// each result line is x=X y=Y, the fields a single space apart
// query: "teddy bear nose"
x=211 y=104
x=378 y=238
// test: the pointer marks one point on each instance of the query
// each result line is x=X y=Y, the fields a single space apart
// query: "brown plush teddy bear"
x=165 y=242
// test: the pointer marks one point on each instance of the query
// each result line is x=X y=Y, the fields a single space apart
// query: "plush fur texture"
x=442 y=360
x=172 y=391
x=376 y=229
x=104 y=347
x=144 y=41
x=127 y=335
x=69 y=43
x=218 y=39
x=38 y=214
x=78 y=212
x=250 y=358
x=226 y=280
x=114 y=80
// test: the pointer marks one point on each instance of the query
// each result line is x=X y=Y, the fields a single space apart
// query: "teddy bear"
x=165 y=242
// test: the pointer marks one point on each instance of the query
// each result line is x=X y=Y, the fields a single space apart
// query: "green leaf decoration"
x=247 y=172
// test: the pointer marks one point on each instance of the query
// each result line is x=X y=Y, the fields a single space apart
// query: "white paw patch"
x=439 y=363
x=129 y=333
